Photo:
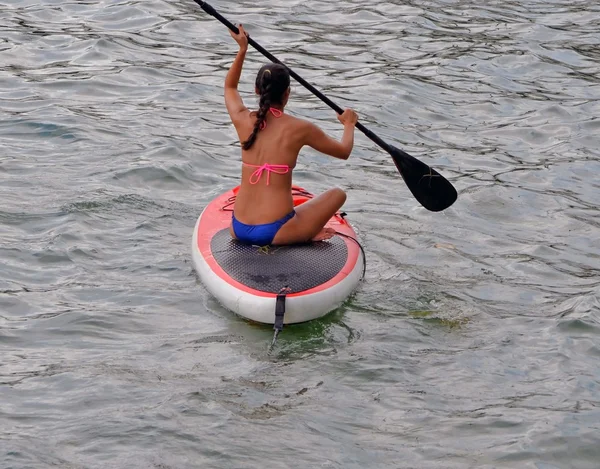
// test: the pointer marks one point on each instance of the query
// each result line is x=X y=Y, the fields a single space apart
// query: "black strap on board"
x=279 y=314
x=280 y=308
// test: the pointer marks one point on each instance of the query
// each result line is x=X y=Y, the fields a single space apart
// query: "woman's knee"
x=339 y=195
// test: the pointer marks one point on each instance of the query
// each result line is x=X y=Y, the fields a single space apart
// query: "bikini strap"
x=277 y=113
x=269 y=168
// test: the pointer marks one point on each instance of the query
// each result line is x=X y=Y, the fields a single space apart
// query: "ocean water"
x=474 y=340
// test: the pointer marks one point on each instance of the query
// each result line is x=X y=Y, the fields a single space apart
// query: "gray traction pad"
x=299 y=267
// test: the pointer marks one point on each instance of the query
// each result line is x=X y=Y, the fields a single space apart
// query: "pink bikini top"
x=269 y=168
x=276 y=113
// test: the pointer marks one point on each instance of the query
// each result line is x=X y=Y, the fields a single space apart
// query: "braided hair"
x=272 y=82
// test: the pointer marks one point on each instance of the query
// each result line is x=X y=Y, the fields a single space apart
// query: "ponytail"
x=272 y=82
x=264 y=105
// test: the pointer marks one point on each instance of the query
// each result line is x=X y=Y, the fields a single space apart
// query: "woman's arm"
x=233 y=100
x=320 y=141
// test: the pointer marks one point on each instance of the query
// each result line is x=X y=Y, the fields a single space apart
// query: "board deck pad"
x=271 y=268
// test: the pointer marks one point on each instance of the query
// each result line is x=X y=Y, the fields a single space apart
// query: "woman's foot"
x=325 y=233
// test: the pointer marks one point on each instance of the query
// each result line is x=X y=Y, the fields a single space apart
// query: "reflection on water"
x=473 y=341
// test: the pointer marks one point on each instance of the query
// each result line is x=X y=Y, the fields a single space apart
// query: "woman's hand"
x=349 y=117
x=241 y=38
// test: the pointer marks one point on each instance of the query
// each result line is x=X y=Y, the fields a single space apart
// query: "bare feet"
x=325 y=233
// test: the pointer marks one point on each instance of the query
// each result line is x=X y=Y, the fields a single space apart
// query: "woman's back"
x=267 y=166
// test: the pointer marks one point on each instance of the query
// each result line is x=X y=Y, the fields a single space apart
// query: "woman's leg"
x=310 y=219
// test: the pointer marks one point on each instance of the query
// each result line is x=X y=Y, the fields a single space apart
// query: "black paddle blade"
x=431 y=189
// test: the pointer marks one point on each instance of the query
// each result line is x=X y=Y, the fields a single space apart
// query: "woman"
x=271 y=140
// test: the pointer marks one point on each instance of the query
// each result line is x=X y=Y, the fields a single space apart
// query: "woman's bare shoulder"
x=301 y=124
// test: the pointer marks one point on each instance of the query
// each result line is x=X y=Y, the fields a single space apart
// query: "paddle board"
x=315 y=277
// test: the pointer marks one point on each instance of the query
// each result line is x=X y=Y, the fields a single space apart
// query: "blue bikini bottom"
x=261 y=235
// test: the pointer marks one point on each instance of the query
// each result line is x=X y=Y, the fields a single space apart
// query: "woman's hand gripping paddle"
x=431 y=189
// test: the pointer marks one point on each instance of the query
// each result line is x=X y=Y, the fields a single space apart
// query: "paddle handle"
x=211 y=11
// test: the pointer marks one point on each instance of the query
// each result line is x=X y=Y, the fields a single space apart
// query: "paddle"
x=429 y=187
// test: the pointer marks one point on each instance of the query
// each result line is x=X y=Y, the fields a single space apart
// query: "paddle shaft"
x=211 y=11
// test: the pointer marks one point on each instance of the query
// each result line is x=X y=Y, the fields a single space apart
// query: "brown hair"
x=272 y=81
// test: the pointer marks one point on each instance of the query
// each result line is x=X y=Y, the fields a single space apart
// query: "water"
x=474 y=341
